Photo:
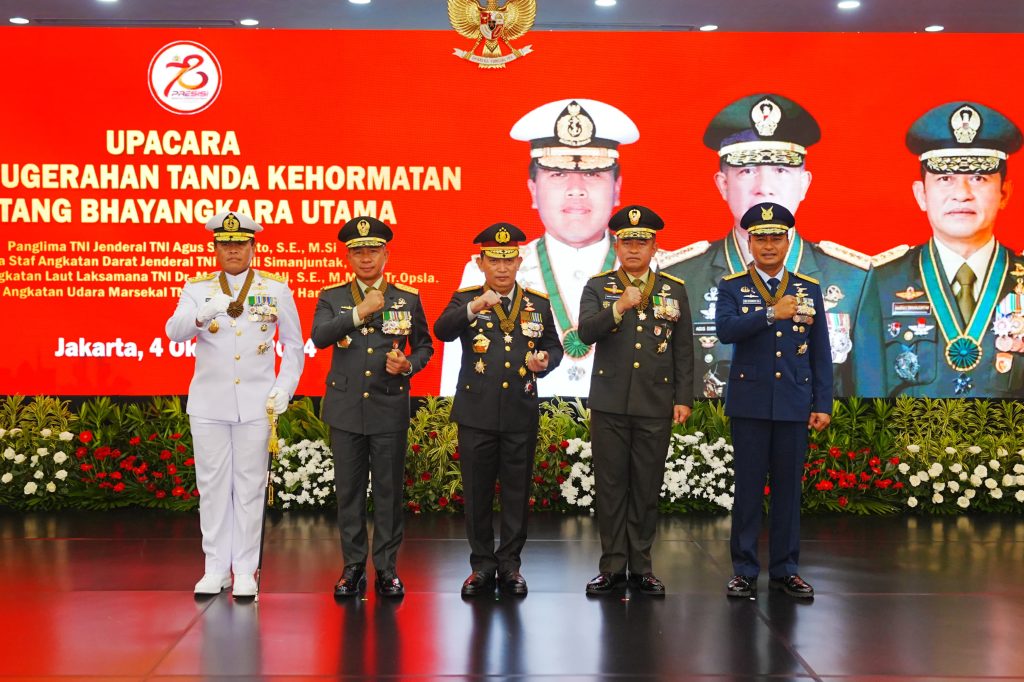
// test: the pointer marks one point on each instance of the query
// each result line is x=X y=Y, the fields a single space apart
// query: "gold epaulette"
x=335 y=286
x=465 y=289
x=807 y=277
x=602 y=274
x=537 y=293
x=736 y=274
x=671 y=277
x=667 y=258
x=890 y=255
x=202 y=278
x=270 y=275
x=406 y=288
x=846 y=254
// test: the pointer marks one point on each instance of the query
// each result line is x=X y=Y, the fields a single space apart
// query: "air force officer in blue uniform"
x=780 y=384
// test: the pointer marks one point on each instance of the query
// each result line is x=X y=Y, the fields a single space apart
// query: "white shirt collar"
x=977 y=261
x=236 y=281
x=765 y=276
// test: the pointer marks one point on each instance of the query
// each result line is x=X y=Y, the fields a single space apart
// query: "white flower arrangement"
x=697 y=470
x=978 y=473
x=303 y=475
x=578 y=487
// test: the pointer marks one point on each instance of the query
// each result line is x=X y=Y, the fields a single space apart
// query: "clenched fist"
x=630 y=299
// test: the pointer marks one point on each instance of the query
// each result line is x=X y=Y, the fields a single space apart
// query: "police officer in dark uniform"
x=780 y=384
x=380 y=338
x=508 y=341
x=762 y=143
x=642 y=383
x=945 y=319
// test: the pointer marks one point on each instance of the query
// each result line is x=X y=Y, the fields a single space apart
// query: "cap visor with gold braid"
x=364 y=237
x=767 y=218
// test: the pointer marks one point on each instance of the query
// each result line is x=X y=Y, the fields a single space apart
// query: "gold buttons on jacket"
x=370 y=351
x=237 y=356
x=366 y=395
x=742 y=375
x=778 y=353
x=778 y=333
x=508 y=364
x=636 y=365
x=504 y=384
x=238 y=381
x=639 y=328
x=368 y=373
x=778 y=375
x=637 y=346
x=238 y=333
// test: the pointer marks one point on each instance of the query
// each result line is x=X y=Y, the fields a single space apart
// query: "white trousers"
x=231 y=474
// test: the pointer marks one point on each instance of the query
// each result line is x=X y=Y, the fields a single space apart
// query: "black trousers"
x=486 y=458
x=776 y=450
x=355 y=456
x=629 y=468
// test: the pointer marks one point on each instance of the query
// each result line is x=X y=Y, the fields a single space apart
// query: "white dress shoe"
x=212 y=584
x=245 y=586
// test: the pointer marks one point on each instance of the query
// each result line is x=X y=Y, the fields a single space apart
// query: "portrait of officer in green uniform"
x=762 y=142
x=946 y=318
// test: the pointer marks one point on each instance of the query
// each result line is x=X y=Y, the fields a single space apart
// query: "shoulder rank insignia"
x=471 y=288
x=202 y=278
x=537 y=293
x=736 y=275
x=271 y=275
x=667 y=258
x=671 y=277
x=406 y=288
x=335 y=286
x=846 y=254
x=807 y=277
x=890 y=255
x=602 y=274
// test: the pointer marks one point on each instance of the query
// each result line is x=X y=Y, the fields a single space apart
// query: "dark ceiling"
x=960 y=16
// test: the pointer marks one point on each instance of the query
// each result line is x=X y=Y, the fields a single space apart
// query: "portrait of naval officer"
x=762 y=142
x=574 y=183
x=946 y=318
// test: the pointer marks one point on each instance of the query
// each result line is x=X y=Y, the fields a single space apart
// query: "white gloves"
x=212 y=308
x=278 y=400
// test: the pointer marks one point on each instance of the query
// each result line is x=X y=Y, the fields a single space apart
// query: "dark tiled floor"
x=92 y=596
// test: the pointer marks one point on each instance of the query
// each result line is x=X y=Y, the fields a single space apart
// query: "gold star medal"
x=480 y=367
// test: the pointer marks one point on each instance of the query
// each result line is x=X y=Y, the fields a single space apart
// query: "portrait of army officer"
x=762 y=141
x=780 y=385
x=379 y=339
x=946 y=318
x=508 y=339
x=574 y=183
x=643 y=383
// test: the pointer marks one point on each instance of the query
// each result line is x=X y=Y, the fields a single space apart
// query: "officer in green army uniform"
x=379 y=336
x=762 y=143
x=946 y=318
x=642 y=383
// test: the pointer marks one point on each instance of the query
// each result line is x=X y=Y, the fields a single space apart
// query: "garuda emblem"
x=495 y=27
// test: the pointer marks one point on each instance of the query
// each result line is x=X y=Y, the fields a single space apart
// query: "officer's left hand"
x=277 y=400
x=538 y=361
x=819 y=420
x=396 y=362
x=680 y=413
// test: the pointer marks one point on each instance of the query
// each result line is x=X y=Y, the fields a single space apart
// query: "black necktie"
x=506 y=303
x=773 y=284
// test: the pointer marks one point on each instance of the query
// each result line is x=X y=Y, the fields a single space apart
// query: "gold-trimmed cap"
x=635 y=222
x=500 y=240
x=963 y=137
x=767 y=218
x=231 y=226
x=575 y=134
x=364 y=231
x=764 y=129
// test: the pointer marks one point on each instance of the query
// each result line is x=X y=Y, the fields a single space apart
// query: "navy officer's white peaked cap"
x=575 y=134
x=232 y=226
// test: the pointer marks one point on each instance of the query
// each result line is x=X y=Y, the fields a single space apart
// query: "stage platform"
x=89 y=596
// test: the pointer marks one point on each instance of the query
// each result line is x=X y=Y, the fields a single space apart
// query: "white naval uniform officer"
x=574 y=184
x=234 y=314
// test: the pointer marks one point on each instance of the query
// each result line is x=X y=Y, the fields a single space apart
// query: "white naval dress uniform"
x=227 y=407
x=571 y=268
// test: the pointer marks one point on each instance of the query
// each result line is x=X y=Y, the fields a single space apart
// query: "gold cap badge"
x=231 y=223
x=767 y=213
x=363 y=226
x=574 y=128
x=503 y=236
x=634 y=217
x=765 y=116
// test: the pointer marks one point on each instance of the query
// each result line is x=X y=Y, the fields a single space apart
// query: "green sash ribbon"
x=570 y=338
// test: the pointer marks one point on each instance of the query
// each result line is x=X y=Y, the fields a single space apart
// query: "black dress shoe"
x=603 y=583
x=513 y=583
x=478 y=582
x=647 y=583
x=351 y=582
x=793 y=585
x=388 y=584
x=741 y=586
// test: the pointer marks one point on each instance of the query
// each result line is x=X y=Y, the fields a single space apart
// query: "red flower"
x=119 y=488
x=102 y=452
x=160 y=494
x=143 y=468
x=560 y=479
x=538 y=479
x=843 y=501
x=408 y=481
x=851 y=454
x=863 y=486
x=150 y=487
x=190 y=461
x=178 y=491
x=824 y=485
x=442 y=502
x=116 y=475
x=898 y=485
x=545 y=502
x=171 y=469
x=884 y=483
x=532 y=502
x=894 y=461
x=152 y=436
x=134 y=440
x=101 y=474
x=416 y=448
x=177 y=479
x=874 y=461
x=834 y=451
x=864 y=476
x=165 y=454
x=564 y=444
x=425 y=476
x=432 y=434
x=767 y=490
x=81 y=452
x=85 y=436
x=544 y=465
x=175 y=436
x=86 y=467
x=813 y=446
x=195 y=493
x=180 y=448
x=455 y=455
x=563 y=464
x=157 y=474
x=552 y=448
